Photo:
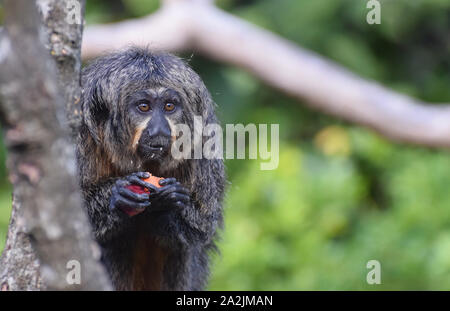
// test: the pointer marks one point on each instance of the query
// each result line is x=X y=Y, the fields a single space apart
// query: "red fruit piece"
x=151 y=180
x=138 y=189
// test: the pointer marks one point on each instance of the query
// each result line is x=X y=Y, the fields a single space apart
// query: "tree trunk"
x=48 y=228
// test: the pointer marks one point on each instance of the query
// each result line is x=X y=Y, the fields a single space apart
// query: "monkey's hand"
x=125 y=199
x=171 y=196
x=172 y=214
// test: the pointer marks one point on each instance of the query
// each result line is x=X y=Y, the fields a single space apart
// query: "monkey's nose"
x=158 y=127
x=158 y=131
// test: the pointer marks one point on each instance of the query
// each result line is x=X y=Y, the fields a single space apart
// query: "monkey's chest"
x=148 y=262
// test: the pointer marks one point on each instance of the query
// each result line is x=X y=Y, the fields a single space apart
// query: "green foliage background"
x=341 y=195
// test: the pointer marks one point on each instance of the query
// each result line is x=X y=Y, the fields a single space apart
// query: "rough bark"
x=63 y=40
x=183 y=25
x=47 y=205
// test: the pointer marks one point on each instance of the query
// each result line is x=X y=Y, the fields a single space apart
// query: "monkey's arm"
x=108 y=203
x=106 y=224
x=194 y=214
x=205 y=214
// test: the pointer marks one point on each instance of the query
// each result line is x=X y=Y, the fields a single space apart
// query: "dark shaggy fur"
x=167 y=251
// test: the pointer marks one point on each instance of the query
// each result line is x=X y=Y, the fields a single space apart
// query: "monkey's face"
x=154 y=113
x=132 y=102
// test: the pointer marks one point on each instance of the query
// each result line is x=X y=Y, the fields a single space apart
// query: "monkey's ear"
x=95 y=110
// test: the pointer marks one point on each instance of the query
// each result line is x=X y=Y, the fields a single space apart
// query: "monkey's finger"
x=121 y=183
x=142 y=174
x=137 y=181
x=122 y=202
x=150 y=187
x=173 y=188
x=167 y=181
x=174 y=196
x=133 y=179
x=127 y=193
x=176 y=185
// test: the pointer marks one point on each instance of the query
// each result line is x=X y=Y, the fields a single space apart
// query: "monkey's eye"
x=169 y=107
x=143 y=107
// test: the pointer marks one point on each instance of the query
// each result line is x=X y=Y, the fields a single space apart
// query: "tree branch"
x=47 y=204
x=182 y=25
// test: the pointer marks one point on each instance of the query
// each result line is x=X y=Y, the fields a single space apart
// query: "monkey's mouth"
x=156 y=147
x=153 y=151
x=156 y=150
